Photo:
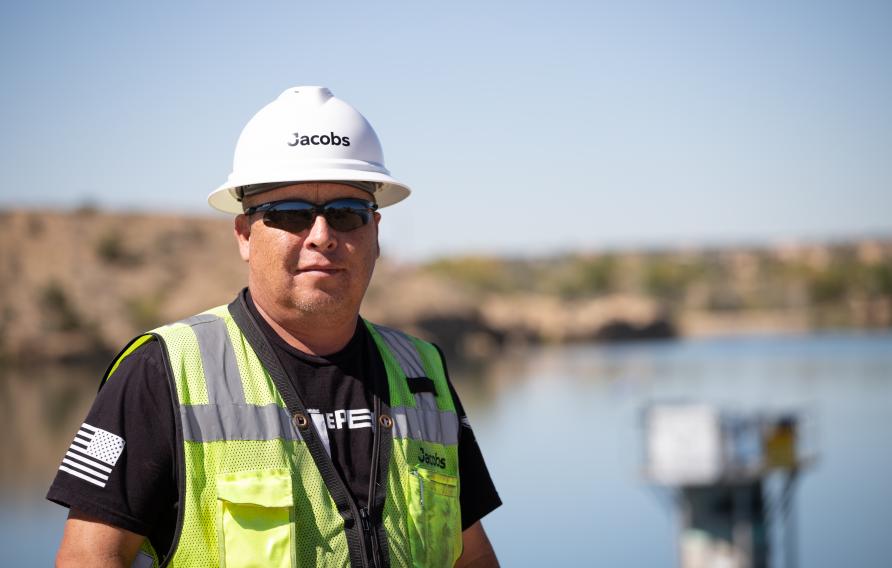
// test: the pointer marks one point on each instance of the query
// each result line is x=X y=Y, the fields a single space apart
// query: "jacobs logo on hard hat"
x=299 y=116
x=317 y=139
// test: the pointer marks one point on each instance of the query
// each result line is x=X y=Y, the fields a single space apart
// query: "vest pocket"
x=434 y=518
x=255 y=519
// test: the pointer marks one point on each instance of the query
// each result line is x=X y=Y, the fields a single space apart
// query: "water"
x=561 y=430
x=563 y=438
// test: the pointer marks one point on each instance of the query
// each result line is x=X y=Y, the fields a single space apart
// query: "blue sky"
x=523 y=128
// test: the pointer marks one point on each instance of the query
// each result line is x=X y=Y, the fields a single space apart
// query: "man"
x=283 y=429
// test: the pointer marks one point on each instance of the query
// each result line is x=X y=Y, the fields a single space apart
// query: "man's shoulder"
x=140 y=363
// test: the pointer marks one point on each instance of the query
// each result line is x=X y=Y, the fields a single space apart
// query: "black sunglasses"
x=294 y=215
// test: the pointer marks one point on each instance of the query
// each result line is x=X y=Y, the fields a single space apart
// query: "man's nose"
x=321 y=235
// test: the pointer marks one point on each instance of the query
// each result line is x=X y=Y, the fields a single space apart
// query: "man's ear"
x=242 y=229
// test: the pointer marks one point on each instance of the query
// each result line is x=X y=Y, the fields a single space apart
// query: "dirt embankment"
x=469 y=323
x=78 y=285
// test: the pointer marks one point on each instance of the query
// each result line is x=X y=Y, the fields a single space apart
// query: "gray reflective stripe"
x=426 y=401
x=143 y=560
x=404 y=351
x=436 y=426
x=212 y=422
x=224 y=382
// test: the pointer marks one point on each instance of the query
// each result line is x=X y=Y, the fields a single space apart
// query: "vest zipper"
x=369 y=534
x=368 y=525
x=414 y=473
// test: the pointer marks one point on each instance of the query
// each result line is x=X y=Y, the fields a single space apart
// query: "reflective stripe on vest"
x=228 y=417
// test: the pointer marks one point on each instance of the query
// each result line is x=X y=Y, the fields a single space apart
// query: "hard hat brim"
x=390 y=191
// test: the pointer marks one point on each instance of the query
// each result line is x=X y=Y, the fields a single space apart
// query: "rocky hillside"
x=76 y=285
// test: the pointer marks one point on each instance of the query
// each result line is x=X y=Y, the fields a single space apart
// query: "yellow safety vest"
x=257 y=487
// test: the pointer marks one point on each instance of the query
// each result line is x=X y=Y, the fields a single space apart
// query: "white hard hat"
x=307 y=134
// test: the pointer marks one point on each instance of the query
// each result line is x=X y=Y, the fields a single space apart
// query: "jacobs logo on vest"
x=432 y=459
x=330 y=139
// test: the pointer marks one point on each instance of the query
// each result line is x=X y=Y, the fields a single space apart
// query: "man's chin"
x=319 y=302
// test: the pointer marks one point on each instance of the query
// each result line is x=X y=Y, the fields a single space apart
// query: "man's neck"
x=318 y=336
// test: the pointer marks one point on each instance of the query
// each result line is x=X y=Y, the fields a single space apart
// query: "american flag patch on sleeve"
x=92 y=454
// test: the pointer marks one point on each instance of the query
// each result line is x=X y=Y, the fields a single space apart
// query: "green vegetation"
x=579 y=277
x=58 y=310
x=480 y=274
x=36 y=225
x=879 y=279
x=567 y=277
x=168 y=242
x=825 y=280
x=830 y=285
x=111 y=249
x=669 y=278
x=145 y=312
x=88 y=207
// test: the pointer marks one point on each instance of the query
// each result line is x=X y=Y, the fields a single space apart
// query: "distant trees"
x=853 y=282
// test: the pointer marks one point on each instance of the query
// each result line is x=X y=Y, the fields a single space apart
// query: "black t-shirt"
x=121 y=465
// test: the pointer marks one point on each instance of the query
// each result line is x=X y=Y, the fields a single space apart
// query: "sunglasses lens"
x=291 y=220
x=296 y=216
x=345 y=217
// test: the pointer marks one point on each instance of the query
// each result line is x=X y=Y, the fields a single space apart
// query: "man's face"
x=318 y=271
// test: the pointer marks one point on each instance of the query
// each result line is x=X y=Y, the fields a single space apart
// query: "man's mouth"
x=319 y=268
